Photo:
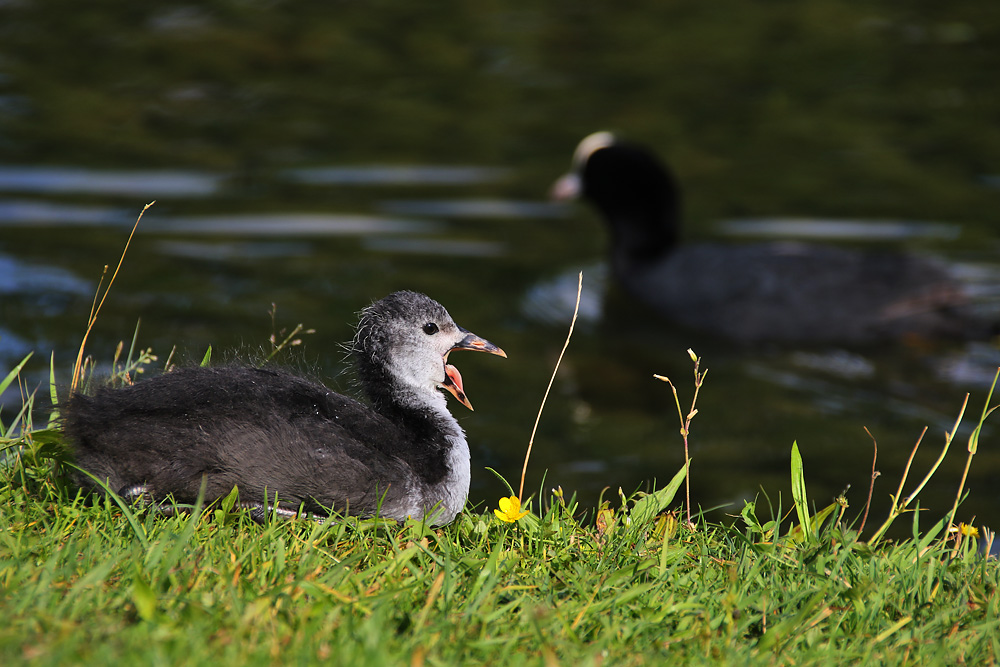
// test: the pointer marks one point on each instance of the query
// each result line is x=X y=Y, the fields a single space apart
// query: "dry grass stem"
x=871 y=485
x=699 y=379
x=96 y=308
x=538 y=418
x=973 y=447
x=899 y=507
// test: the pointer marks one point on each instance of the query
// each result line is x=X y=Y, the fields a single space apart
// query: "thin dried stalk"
x=538 y=418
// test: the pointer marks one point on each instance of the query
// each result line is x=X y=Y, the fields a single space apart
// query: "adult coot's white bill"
x=278 y=436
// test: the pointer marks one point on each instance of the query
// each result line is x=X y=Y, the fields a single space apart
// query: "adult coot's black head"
x=760 y=292
x=287 y=442
x=635 y=192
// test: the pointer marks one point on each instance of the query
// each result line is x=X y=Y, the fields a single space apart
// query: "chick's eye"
x=430 y=328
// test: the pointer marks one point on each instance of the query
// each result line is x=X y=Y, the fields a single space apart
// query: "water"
x=320 y=158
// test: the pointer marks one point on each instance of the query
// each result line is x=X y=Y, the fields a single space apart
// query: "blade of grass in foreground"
x=799 y=493
x=14 y=373
x=53 y=393
x=645 y=508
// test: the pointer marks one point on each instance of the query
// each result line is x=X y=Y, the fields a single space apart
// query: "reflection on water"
x=842 y=363
x=56 y=180
x=476 y=208
x=231 y=250
x=397 y=175
x=36 y=292
x=13 y=348
x=288 y=224
x=837 y=398
x=851 y=230
x=552 y=301
x=21 y=278
x=39 y=213
x=144 y=183
x=453 y=247
x=981 y=280
x=975 y=365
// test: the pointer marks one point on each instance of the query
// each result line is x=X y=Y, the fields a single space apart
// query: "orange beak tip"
x=453 y=384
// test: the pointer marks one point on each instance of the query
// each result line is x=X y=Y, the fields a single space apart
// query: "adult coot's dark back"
x=760 y=292
x=275 y=435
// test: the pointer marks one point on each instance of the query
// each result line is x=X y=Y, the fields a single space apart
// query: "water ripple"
x=61 y=180
x=857 y=230
x=290 y=224
x=396 y=175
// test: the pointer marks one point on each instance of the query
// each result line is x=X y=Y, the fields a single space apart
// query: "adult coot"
x=287 y=442
x=760 y=292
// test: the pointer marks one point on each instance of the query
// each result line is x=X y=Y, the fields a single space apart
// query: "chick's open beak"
x=452 y=378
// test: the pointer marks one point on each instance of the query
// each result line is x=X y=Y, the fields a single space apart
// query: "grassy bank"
x=627 y=583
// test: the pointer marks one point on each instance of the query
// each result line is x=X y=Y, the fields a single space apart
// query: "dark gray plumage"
x=272 y=433
x=761 y=292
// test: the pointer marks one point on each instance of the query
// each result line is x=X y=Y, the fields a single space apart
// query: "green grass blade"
x=143 y=597
x=799 y=493
x=13 y=374
x=8 y=432
x=53 y=393
x=501 y=478
x=987 y=411
x=131 y=347
x=644 y=509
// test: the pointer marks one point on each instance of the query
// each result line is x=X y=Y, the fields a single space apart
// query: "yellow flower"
x=510 y=509
x=967 y=530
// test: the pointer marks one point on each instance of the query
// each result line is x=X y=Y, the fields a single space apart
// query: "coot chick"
x=792 y=292
x=276 y=435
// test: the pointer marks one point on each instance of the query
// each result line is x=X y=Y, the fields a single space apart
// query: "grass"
x=87 y=581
